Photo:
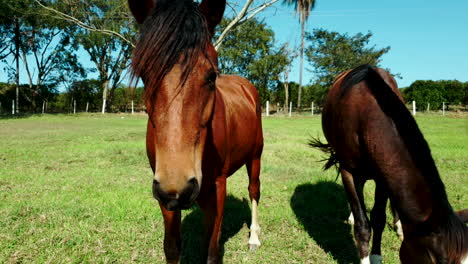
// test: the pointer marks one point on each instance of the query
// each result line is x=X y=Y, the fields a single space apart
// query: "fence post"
x=428 y=107
x=13 y=107
x=43 y=106
x=74 y=106
x=443 y=108
x=132 y=108
x=267 y=108
x=87 y=105
x=290 y=108
x=414 y=107
x=312 y=108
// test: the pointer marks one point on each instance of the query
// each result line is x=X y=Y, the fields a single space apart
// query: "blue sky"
x=428 y=38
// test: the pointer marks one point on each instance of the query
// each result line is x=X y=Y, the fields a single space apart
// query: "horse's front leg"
x=172 y=235
x=378 y=219
x=212 y=204
x=253 y=169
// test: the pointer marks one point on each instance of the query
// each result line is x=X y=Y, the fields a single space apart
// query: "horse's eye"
x=211 y=78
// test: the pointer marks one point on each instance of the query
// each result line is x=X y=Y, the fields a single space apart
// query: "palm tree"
x=303 y=9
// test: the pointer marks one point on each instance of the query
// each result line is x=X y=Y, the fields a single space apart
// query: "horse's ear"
x=213 y=11
x=141 y=9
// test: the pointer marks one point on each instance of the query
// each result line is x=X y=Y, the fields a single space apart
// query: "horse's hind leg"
x=253 y=169
x=378 y=219
x=353 y=187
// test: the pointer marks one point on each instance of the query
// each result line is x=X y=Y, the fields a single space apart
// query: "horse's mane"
x=176 y=32
x=418 y=149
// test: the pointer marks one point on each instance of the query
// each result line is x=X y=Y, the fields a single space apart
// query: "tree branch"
x=83 y=25
x=244 y=15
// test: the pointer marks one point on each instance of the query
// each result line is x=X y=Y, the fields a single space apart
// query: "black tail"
x=327 y=149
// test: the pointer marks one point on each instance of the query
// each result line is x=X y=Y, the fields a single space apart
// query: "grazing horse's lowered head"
x=178 y=65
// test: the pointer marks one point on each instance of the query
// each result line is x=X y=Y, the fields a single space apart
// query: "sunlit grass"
x=77 y=189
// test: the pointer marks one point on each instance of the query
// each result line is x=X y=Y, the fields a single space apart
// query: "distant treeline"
x=89 y=92
x=85 y=92
x=435 y=93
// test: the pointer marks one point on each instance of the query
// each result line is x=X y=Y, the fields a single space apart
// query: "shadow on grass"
x=6 y=116
x=322 y=209
x=236 y=214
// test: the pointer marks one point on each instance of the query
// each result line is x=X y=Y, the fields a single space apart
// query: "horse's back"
x=242 y=133
x=350 y=114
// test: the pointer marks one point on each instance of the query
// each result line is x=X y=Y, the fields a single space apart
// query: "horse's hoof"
x=375 y=259
x=253 y=247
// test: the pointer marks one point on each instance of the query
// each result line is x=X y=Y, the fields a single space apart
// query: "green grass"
x=77 y=189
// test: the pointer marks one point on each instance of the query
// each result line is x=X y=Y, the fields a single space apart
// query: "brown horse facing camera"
x=372 y=135
x=202 y=126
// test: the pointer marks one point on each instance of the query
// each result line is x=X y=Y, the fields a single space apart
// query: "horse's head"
x=178 y=65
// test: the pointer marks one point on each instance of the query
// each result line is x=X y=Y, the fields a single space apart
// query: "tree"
x=106 y=31
x=454 y=92
x=250 y=51
x=435 y=93
x=50 y=52
x=243 y=11
x=425 y=92
x=331 y=53
x=11 y=19
x=303 y=8
x=85 y=92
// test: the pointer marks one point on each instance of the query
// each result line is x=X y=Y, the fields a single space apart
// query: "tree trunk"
x=17 y=57
x=301 y=65
x=104 y=95
x=286 y=90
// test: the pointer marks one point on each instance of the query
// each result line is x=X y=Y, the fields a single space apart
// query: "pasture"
x=77 y=189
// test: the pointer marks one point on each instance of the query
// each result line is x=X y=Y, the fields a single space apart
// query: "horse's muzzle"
x=177 y=201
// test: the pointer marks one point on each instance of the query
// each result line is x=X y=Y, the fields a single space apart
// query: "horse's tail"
x=332 y=161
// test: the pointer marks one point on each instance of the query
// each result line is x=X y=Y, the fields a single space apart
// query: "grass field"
x=77 y=189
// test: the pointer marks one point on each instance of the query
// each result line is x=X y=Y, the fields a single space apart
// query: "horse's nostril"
x=193 y=182
x=155 y=182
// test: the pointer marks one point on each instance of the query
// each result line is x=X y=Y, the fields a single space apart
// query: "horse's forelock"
x=175 y=33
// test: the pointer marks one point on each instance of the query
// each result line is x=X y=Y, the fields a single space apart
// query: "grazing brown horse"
x=371 y=134
x=202 y=126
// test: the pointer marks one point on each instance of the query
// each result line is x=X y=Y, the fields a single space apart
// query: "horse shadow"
x=236 y=215
x=322 y=209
